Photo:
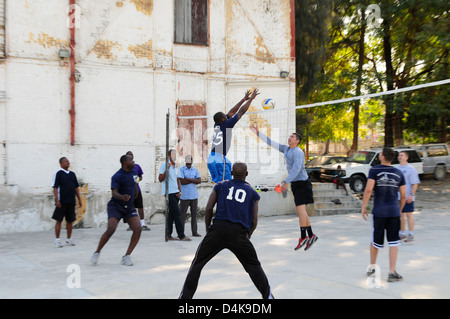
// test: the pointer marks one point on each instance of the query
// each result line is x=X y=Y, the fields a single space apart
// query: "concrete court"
x=31 y=267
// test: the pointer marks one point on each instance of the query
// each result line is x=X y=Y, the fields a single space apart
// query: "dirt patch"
x=432 y=193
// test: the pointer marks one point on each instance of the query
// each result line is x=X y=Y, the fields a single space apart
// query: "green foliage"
x=327 y=59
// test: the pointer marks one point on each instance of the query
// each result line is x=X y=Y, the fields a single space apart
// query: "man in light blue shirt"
x=412 y=182
x=174 y=196
x=300 y=184
x=189 y=179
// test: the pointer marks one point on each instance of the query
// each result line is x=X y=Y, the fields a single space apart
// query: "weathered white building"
x=90 y=80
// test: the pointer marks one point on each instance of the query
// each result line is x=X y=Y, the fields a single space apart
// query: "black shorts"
x=138 y=201
x=303 y=193
x=118 y=211
x=392 y=227
x=66 y=211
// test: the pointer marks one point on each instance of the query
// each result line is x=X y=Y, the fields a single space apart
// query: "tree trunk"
x=357 y=103
x=389 y=100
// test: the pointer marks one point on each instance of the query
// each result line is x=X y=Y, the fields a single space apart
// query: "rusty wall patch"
x=143 y=51
x=102 y=49
x=262 y=52
x=46 y=40
x=144 y=6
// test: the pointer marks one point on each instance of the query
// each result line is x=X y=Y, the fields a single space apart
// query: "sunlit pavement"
x=335 y=266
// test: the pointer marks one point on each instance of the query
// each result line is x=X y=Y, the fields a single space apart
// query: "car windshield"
x=363 y=157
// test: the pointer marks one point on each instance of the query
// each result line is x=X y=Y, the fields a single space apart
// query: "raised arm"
x=235 y=108
x=246 y=106
x=266 y=139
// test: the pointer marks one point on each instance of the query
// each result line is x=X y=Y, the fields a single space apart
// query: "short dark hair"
x=388 y=154
x=299 y=138
x=218 y=116
x=124 y=158
x=62 y=159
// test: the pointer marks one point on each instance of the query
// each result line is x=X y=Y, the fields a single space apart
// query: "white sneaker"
x=69 y=242
x=58 y=243
x=94 y=258
x=126 y=260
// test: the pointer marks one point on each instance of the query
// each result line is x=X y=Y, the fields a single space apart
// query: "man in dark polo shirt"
x=124 y=190
x=65 y=187
x=236 y=219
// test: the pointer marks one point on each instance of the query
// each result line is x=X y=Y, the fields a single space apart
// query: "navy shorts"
x=392 y=227
x=408 y=208
x=116 y=210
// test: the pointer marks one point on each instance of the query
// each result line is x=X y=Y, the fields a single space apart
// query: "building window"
x=191 y=21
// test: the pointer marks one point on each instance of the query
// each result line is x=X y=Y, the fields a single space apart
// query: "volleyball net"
x=422 y=109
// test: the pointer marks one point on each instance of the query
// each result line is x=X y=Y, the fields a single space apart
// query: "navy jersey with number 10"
x=235 y=200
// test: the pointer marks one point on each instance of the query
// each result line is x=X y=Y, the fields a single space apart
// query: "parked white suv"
x=436 y=159
x=356 y=167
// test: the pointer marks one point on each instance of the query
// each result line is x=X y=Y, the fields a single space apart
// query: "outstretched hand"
x=254 y=93
x=254 y=129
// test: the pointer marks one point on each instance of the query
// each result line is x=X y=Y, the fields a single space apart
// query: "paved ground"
x=30 y=267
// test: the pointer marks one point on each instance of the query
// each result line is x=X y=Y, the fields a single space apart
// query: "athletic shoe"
x=394 y=277
x=126 y=260
x=69 y=242
x=370 y=271
x=145 y=227
x=403 y=237
x=311 y=242
x=58 y=243
x=301 y=243
x=410 y=238
x=94 y=258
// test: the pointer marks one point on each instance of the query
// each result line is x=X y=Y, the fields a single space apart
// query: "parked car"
x=436 y=159
x=356 y=167
x=313 y=166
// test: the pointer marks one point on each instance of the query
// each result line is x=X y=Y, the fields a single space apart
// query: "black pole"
x=167 y=176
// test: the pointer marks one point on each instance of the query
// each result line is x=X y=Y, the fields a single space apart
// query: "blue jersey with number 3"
x=235 y=200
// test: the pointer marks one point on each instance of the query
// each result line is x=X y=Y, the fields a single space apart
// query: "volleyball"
x=268 y=104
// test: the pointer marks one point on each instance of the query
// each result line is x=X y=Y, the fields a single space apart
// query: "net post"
x=166 y=235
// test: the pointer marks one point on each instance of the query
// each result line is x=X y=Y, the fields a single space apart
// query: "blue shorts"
x=218 y=165
x=408 y=208
x=118 y=211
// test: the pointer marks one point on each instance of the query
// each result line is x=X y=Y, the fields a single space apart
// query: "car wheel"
x=357 y=184
x=439 y=172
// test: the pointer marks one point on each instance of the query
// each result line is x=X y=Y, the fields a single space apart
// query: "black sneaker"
x=394 y=277
x=311 y=241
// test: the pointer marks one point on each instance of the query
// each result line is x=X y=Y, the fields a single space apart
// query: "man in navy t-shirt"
x=121 y=205
x=218 y=165
x=236 y=219
x=386 y=182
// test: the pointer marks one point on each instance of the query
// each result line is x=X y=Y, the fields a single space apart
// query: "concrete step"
x=331 y=205
x=330 y=192
x=342 y=198
x=324 y=186
x=324 y=193
x=335 y=211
